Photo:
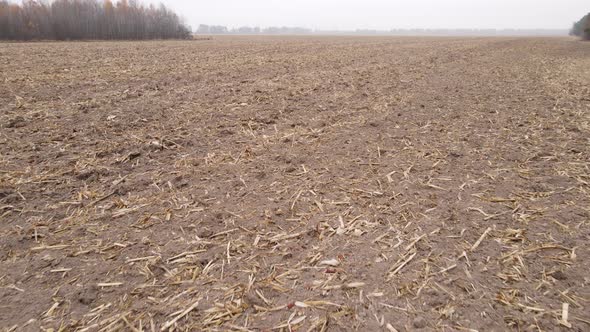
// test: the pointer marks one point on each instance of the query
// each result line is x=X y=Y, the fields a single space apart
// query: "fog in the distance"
x=384 y=14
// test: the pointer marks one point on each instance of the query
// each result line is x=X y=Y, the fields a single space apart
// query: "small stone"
x=559 y=275
x=16 y=122
x=205 y=233
x=419 y=323
x=134 y=155
x=88 y=295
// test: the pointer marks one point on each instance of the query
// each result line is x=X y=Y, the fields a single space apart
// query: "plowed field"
x=295 y=184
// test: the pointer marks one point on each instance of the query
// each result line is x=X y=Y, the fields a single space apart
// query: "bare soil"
x=295 y=184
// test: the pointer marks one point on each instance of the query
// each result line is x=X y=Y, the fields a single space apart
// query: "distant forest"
x=582 y=28
x=88 y=19
x=204 y=29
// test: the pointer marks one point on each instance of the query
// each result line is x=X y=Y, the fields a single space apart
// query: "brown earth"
x=327 y=183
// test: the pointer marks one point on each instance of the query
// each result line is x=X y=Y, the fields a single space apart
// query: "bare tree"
x=88 y=19
x=582 y=28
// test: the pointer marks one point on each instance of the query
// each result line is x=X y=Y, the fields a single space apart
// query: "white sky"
x=384 y=14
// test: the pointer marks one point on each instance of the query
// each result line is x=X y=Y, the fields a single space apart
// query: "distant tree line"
x=88 y=19
x=582 y=28
x=204 y=29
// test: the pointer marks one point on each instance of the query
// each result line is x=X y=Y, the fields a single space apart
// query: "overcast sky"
x=384 y=14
